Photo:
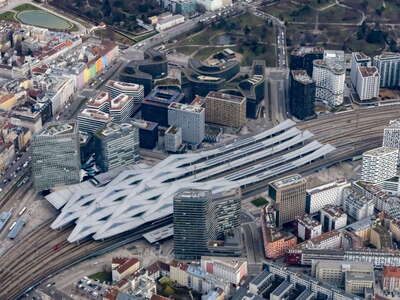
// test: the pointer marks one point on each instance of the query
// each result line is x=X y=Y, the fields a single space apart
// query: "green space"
x=142 y=37
x=290 y=12
x=338 y=14
x=318 y=3
x=259 y=202
x=8 y=16
x=26 y=6
x=387 y=11
x=362 y=45
x=102 y=276
x=250 y=36
x=114 y=36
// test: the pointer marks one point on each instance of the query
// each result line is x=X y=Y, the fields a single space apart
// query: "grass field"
x=337 y=14
x=102 y=276
x=26 y=6
x=259 y=202
x=8 y=16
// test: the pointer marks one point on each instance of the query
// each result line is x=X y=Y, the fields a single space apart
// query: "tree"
x=246 y=30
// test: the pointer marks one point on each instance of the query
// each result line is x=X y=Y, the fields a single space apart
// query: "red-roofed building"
x=157 y=270
x=123 y=267
x=391 y=278
x=178 y=272
x=158 y=297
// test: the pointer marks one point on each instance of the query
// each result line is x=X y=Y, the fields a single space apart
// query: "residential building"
x=7 y=155
x=122 y=267
x=356 y=205
x=302 y=58
x=379 y=164
x=308 y=228
x=380 y=237
x=173 y=139
x=368 y=79
x=121 y=108
x=329 y=77
x=225 y=109
x=191 y=118
x=276 y=242
x=115 y=88
x=148 y=133
x=230 y=269
x=358 y=283
x=116 y=145
x=100 y=102
x=391 y=279
x=288 y=196
x=91 y=120
x=56 y=155
x=358 y=59
x=388 y=65
x=302 y=95
x=332 y=218
x=330 y=193
x=391 y=135
x=194 y=223
x=178 y=273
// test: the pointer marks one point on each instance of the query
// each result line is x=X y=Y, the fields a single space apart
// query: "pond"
x=43 y=19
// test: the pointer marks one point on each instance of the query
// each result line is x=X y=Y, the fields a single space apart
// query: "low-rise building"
x=230 y=269
x=170 y=21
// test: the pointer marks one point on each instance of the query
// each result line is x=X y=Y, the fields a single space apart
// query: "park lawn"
x=26 y=6
x=187 y=50
x=337 y=14
x=8 y=16
x=259 y=202
x=102 y=276
x=201 y=38
x=269 y=55
x=287 y=11
x=318 y=3
x=362 y=45
x=249 y=20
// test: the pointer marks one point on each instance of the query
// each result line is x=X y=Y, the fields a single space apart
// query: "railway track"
x=44 y=252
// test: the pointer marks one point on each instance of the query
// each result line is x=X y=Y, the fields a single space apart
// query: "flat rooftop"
x=186 y=107
x=286 y=181
x=368 y=71
x=380 y=151
x=113 y=128
x=95 y=115
x=226 y=97
x=57 y=129
x=123 y=86
x=159 y=234
x=333 y=211
x=359 y=56
x=302 y=76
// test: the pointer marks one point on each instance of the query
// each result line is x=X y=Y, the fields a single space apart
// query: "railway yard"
x=41 y=253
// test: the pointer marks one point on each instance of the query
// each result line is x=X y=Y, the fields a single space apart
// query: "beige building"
x=225 y=109
x=356 y=282
x=177 y=273
x=353 y=276
x=380 y=237
x=289 y=198
x=123 y=267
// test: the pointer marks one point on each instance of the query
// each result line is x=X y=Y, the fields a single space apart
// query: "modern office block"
x=289 y=197
x=391 y=135
x=116 y=88
x=194 y=223
x=388 y=65
x=155 y=106
x=56 y=155
x=367 y=83
x=116 y=145
x=356 y=205
x=100 y=102
x=191 y=118
x=379 y=164
x=302 y=58
x=225 y=109
x=358 y=59
x=148 y=133
x=302 y=95
x=91 y=120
